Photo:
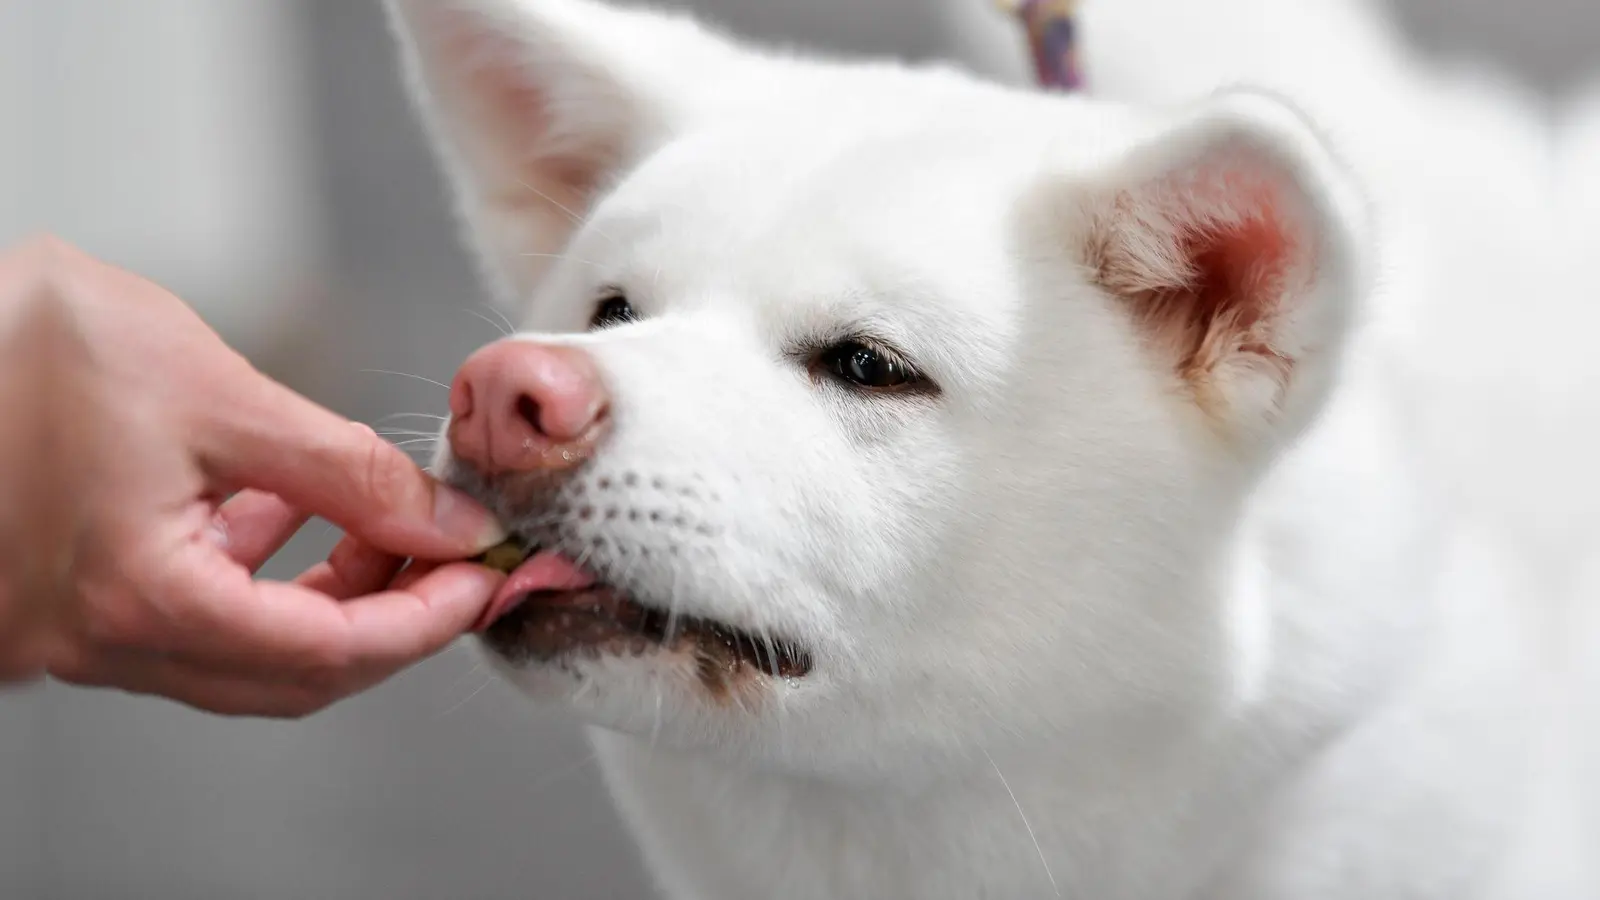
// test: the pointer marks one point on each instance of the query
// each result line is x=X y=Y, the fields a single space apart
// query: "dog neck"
x=1006 y=826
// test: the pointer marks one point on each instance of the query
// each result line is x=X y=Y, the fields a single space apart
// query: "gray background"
x=440 y=784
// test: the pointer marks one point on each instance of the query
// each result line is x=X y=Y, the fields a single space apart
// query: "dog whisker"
x=488 y=680
x=510 y=328
x=562 y=256
x=577 y=220
x=502 y=330
x=407 y=375
x=1025 y=824
x=419 y=415
x=673 y=596
x=477 y=666
x=655 y=729
x=555 y=775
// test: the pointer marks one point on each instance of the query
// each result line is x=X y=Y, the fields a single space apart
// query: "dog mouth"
x=551 y=610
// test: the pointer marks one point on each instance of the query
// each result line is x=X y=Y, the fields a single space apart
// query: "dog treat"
x=503 y=557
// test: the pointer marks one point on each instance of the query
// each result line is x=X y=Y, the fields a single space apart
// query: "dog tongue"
x=544 y=571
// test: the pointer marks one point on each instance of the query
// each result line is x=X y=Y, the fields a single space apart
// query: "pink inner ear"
x=1239 y=274
x=492 y=79
x=1205 y=262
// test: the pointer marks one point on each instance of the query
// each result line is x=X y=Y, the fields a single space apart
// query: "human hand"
x=125 y=562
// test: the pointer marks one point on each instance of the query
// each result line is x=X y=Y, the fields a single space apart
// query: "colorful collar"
x=1052 y=38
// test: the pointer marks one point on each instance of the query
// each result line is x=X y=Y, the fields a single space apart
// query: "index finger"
x=273 y=439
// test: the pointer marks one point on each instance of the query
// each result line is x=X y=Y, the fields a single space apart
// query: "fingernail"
x=459 y=516
x=217 y=531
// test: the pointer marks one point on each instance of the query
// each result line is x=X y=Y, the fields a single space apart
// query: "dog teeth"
x=504 y=557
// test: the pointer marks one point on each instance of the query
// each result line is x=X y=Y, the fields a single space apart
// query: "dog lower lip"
x=546 y=625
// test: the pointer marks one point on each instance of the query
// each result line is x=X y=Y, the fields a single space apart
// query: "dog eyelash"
x=613 y=308
x=867 y=365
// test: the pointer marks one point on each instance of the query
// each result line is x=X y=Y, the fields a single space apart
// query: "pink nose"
x=523 y=406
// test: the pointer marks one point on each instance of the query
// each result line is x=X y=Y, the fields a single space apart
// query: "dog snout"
x=520 y=406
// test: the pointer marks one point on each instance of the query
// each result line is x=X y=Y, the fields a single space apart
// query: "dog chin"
x=658 y=696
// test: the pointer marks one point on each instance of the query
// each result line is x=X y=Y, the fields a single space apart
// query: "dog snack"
x=503 y=557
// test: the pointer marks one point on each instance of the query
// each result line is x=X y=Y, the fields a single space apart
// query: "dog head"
x=862 y=411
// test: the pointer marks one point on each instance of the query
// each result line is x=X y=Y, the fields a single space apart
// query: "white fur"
x=1077 y=633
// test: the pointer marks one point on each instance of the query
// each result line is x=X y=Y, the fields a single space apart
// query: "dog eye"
x=613 y=310
x=867 y=366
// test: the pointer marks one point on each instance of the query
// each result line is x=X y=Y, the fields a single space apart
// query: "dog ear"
x=1234 y=240
x=536 y=106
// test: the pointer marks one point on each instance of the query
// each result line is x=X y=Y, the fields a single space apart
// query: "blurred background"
x=258 y=157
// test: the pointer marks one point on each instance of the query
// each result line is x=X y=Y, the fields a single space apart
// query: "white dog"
x=964 y=492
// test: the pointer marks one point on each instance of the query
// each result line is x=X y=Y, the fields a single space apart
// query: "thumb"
x=275 y=440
